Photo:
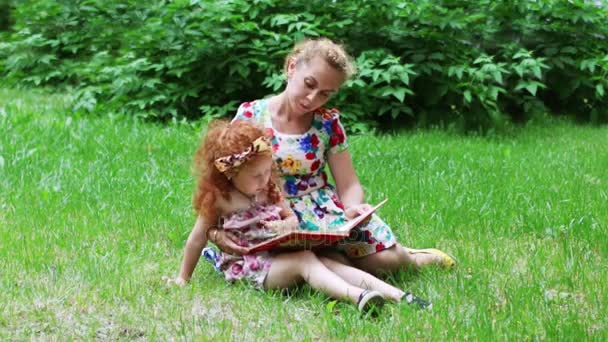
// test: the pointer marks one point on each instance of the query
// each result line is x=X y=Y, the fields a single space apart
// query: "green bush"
x=470 y=64
x=5 y=24
x=5 y=15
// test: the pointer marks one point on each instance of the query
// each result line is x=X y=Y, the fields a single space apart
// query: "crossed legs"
x=331 y=277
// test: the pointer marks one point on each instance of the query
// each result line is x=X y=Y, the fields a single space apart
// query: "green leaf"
x=405 y=78
x=329 y=308
x=459 y=72
x=519 y=70
x=418 y=57
x=395 y=112
x=437 y=55
x=376 y=74
x=599 y=90
x=494 y=93
x=550 y=51
x=567 y=60
x=537 y=72
x=456 y=70
x=532 y=87
x=399 y=93
x=451 y=71
x=569 y=49
x=521 y=54
x=386 y=77
x=497 y=76
x=467 y=96
x=588 y=64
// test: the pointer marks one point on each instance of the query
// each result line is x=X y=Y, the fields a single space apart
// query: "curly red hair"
x=222 y=139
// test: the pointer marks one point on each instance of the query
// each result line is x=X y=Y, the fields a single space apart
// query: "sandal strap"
x=412 y=299
x=362 y=295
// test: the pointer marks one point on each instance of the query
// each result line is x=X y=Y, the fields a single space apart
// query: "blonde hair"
x=334 y=54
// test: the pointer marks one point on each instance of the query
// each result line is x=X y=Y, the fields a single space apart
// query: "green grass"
x=94 y=210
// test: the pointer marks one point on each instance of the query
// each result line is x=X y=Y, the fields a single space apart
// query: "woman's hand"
x=179 y=281
x=356 y=210
x=226 y=241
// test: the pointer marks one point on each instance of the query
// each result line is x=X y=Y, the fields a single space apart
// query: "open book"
x=305 y=239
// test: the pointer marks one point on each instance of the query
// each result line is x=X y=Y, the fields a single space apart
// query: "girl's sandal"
x=447 y=261
x=370 y=301
x=410 y=299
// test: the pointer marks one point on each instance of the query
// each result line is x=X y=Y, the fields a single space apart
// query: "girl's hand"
x=179 y=281
x=227 y=242
x=283 y=226
x=356 y=210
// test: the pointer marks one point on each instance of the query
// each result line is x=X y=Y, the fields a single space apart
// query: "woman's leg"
x=362 y=279
x=288 y=269
x=394 y=258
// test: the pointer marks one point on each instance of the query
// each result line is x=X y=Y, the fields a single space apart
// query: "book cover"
x=304 y=239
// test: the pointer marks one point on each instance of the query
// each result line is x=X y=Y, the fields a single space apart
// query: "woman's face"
x=311 y=84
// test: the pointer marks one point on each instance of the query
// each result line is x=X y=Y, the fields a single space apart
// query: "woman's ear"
x=291 y=67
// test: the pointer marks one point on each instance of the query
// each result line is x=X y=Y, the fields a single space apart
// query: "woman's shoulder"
x=328 y=123
x=326 y=119
x=325 y=114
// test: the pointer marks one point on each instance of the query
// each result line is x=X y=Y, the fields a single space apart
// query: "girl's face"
x=311 y=84
x=252 y=177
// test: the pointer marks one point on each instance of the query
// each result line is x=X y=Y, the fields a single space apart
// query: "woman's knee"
x=395 y=254
x=389 y=259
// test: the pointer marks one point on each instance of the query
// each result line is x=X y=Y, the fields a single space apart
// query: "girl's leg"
x=362 y=279
x=335 y=262
x=288 y=269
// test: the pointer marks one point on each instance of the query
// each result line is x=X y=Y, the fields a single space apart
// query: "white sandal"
x=370 y=300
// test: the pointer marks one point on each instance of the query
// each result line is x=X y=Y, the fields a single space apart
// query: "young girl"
x=237 y=193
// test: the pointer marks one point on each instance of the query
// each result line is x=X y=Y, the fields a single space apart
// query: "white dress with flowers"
x=247 y=226
x=301 y=160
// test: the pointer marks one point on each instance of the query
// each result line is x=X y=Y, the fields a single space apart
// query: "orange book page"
x=303 y=239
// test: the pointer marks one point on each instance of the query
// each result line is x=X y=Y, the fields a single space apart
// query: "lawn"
x=95 y=210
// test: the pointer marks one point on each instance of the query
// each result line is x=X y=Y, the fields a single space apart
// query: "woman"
x=305 y=137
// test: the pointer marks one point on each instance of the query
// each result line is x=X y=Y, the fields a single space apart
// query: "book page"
x=348 y=226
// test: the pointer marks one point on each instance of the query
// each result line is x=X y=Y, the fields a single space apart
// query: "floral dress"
x=247 y=226
x=301 y=160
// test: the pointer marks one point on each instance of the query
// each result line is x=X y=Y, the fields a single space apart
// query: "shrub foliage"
x=468 y=63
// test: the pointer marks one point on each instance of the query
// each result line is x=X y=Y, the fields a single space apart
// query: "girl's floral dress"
x=301 y=160
x=247 y=226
